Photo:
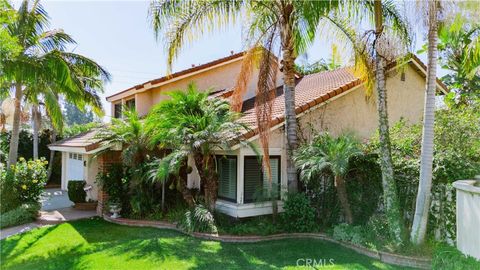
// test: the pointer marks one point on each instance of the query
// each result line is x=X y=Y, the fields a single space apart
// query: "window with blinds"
x=130 y=104
x=227 y=177
x=255 y=178
x=117 y=110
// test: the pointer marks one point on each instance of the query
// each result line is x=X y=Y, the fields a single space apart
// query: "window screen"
x=227 y=177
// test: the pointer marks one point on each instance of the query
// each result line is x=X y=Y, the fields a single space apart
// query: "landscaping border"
x=386 y=257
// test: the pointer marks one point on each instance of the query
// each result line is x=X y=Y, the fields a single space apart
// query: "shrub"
x=22 y=183
x=298 y=215
x=199 y=219
x=113 y=182
x=20 y=215
x=448 y=257
x=76 y=193
x=349 y=233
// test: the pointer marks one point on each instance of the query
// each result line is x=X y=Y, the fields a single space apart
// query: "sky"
x=118 y=36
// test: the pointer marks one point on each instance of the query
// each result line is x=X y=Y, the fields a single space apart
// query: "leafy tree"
x=459 y=52
x=74 y=116
x=328 y=153
x=190 y=124
x=44 y=69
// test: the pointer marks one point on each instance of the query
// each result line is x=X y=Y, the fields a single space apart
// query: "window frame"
x=217 y=160
x=279 y=157
x=134 y=103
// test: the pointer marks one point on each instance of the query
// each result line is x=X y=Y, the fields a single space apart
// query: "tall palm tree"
x=89 y=78
x=328 y=153
x=375 y=51
x=422 y=206
x=41 y=59
x=287 y=25
x=192 y=124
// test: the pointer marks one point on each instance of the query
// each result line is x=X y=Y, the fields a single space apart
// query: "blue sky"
x=117 y=34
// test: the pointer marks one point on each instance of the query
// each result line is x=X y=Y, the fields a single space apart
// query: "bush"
x=448 y=257
x=349 y=233
x=76 y=193
x=20 y=215
x=113 y=182
x=298 y=215
x=22 y=183
x=199 y=219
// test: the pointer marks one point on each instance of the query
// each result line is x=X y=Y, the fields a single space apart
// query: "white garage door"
x=74 y=167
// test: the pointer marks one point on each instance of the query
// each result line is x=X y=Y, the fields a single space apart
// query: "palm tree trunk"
x=13 y=151
x=206 y=169
x=53 y=139
x=290 y=116
x=342 y=195
x=422 y=206
x=390 y=197
x=35 y=126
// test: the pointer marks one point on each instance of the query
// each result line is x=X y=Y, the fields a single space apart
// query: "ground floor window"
x=227 y=177
x=256 y=182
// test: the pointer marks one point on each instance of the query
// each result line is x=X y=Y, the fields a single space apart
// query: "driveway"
x=55 y=198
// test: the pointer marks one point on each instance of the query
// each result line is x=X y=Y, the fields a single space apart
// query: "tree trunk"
x=35 y=127
x=53 y=139
x=13 y=152
x=206 y=169
x=422 y=206
x=390 y=197
x=289 y=94
x=342 y=195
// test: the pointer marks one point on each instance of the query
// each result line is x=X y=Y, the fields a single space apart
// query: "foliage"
x=20 y=215
x=334 y=62
x=76 y=193
x=129 y=131
x=76 y=129
x=113 y=182
x=459 y=52
x=75 y=116
x=348 y=233
x=22 y=183
x=191 y=123
x=455 y=157
x=326 y=152
x=198 y=219
x=299 y=216
x=448 y=257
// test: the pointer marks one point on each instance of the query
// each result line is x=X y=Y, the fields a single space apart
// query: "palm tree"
x=422 y=206
x=328 y=153
x=285 y=24
x=191 y=124
x=375 y=51
x=41 y=59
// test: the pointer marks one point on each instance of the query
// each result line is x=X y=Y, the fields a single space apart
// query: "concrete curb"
x=386 y=257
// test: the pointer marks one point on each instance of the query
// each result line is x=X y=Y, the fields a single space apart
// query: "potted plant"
x=78 y=195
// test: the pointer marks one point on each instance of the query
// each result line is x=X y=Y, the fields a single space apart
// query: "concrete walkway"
x=56 y=208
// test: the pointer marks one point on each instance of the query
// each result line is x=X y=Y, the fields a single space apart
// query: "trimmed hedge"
x=76 y=193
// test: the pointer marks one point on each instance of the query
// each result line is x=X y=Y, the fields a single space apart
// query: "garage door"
x=75 y=167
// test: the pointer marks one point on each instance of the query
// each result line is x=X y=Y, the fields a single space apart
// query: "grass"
x=97 y=244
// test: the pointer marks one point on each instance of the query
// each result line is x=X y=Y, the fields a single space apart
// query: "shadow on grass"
x=106 y=245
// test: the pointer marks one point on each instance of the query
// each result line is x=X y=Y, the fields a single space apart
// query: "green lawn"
x=96 y=244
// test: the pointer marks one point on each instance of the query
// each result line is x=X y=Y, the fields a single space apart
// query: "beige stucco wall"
x=90 y=173
x=217 y=78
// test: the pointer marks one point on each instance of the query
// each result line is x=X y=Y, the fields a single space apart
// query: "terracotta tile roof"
x=309 y=91
x=181 y=73
x=84 y=140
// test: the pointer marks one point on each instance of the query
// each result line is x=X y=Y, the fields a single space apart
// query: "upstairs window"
x=256 y=182
x=130 y=104
x=117 y=110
